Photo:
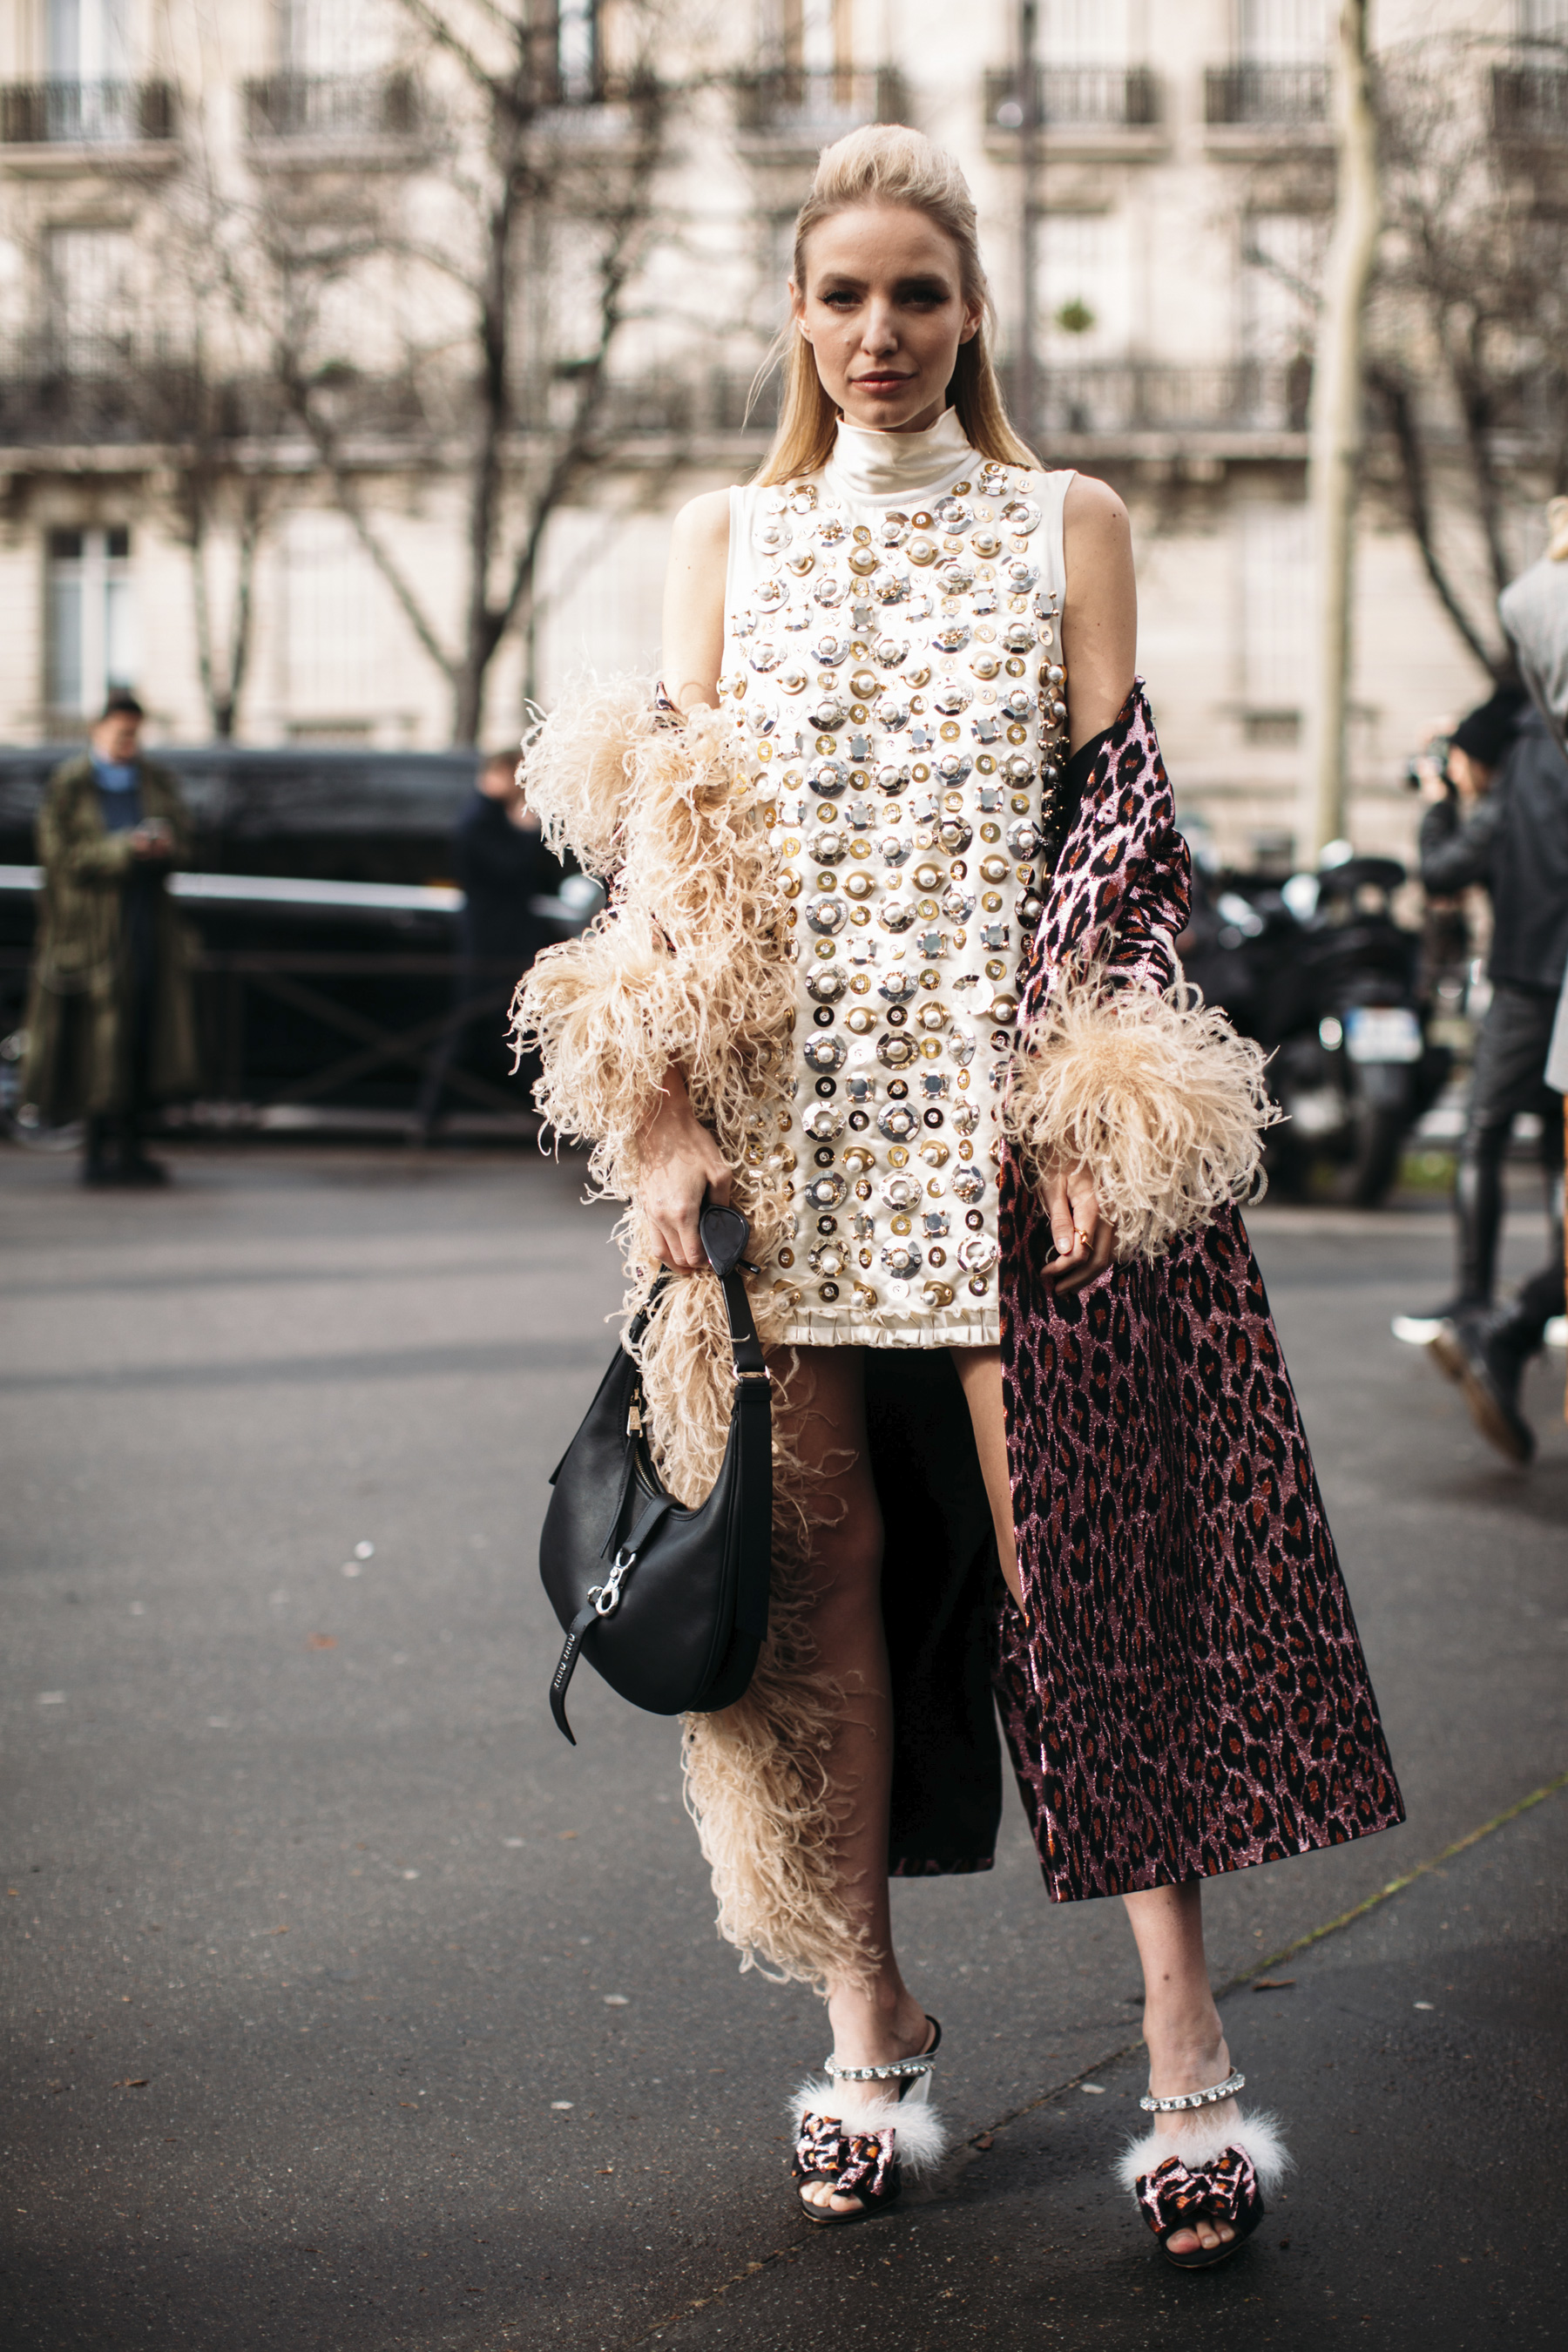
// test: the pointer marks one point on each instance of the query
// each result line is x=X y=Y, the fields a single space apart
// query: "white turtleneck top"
x=892 y=661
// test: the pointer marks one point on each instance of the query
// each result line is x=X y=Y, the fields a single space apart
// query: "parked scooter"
x=1319 y=971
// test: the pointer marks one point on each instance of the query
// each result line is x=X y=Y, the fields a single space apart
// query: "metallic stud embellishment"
x=979 y=1286
x=927 y=876
x=951 y=637
x=897 y=1053
x=952 y=699
x=861 y=1020
x=825 y=1053
x=984 y=664
x=902 y=1258
x=828 y=592
x=898 y=1123
x=828 y=1086
x=1016 y=705
x=1018 y=637
x=827 y=1192
x=921 y=550
x=1023 y=839
x=1028 y=911
x=827 y=715
x=830 y=650
x=771 y=594
x=890 y=588
x=978 y=1255
x=860 y=886
x=827 y=778
x=859 y=1162
x=896 y=916
x=829 y=1293
x=828 y=1258
x=895 y=850
x=801 y=561
x=937 y=1294
x=828 y=848
x=863 y=561
x=794 y=681
x=987 y=543
x=957 y=905
x=893 y=529
x=893 y=717
x=822 y=1122
x=901 y=1193
x=897 y=984
x=969 y=1185
x=863 y=684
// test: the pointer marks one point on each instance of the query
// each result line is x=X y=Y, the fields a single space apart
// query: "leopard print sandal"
x=865 y=2146
x=1218 y=2173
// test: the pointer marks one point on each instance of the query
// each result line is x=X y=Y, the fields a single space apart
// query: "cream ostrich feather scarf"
x=689 y=965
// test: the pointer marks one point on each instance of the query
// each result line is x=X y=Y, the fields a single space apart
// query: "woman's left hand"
x=1085 y=1241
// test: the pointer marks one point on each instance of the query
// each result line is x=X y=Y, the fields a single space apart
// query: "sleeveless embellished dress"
x=892 y=659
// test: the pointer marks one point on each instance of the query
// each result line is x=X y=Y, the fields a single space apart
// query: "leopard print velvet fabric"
x=1187 y=1693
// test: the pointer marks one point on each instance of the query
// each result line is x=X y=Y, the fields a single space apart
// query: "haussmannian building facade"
x=1155 y=210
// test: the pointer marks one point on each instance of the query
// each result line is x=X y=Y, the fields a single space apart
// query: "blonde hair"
x=884 y=163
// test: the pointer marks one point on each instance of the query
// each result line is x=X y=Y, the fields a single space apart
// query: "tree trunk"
x=1335 y=428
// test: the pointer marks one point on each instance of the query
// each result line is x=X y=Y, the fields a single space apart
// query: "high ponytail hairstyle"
x=884 y=163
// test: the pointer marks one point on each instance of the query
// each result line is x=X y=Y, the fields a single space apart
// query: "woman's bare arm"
x=1099 y=614
x=678 y=1162
x=1099 y=647
x=694 y=600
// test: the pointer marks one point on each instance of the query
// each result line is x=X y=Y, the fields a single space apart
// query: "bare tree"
x=545 y=220
x=1468 y=351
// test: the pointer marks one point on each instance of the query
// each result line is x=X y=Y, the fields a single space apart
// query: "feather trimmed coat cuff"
x=1151 y=1090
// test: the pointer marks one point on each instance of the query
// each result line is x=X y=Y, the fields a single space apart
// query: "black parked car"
x=320 y=892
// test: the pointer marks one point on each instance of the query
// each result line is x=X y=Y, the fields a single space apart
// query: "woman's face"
x=884 y=312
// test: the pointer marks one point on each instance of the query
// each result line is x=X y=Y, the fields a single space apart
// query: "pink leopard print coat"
x=1187 y=1693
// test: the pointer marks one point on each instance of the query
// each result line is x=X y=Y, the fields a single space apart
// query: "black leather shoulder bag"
x=669 y=1605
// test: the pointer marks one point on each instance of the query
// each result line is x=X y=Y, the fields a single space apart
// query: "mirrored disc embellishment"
x=894 y=677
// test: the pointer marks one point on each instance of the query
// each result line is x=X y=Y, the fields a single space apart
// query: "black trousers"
x=1510 y=1078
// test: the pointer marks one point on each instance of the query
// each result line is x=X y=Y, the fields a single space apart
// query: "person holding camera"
x=110 y=1022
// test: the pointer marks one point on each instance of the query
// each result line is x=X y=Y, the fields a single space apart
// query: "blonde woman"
x=889 y=965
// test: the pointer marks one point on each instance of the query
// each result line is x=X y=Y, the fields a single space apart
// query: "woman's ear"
x=797 y=309
x=971 y=327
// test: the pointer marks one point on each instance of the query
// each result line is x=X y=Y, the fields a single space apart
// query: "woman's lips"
x=880 y=383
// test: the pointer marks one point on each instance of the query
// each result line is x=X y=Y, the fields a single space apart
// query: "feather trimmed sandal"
x=863 y=2146
x=1217 y=2173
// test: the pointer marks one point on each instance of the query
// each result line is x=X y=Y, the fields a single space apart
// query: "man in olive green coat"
x=110 y=1024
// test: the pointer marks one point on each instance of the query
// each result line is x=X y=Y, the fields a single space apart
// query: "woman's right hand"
x=679 y=1167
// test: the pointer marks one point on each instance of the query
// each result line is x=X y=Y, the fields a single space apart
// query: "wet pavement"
x=347 y=2007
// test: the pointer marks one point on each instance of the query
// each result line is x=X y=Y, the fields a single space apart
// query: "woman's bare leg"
x=882 y=2021
x=1181 y=2024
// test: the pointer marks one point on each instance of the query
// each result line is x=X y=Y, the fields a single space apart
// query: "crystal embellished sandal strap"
x=1233 y=2082
x=896 y=2071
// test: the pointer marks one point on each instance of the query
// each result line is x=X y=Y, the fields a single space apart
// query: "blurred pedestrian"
x=503 y=866
x=110 y=1020
x=1514 y=838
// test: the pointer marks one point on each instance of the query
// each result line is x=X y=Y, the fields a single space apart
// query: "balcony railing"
x=332 y=107
x=1108 y=398
x=62 y=113
x=1273 y=97
x=1530 y=99
x=1088 y=98
x=791 y=102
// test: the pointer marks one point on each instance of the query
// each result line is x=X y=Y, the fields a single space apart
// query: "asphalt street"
x=346 y=2007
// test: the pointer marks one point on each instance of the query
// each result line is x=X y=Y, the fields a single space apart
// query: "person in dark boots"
x=111 y=1023
x=1516 y=841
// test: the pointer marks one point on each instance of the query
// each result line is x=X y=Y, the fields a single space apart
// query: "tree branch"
x=1393 y=393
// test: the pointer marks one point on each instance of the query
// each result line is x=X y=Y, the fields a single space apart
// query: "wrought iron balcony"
x=68 y=113
x=1280 y=98
x=1077 y=98
x=1107 y=399
x=1530 y=99
x=332 y=107
x=797 y=103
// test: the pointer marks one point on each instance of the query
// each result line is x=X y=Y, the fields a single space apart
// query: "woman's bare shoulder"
x=1095 y=516
x=701 y=527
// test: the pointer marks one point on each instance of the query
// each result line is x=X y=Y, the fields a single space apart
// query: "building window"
x=577 y=51
x=1543 y=20
x=1274 y=590
x=87 y=40
x=1281 y=272
x=1285 y=32
x=333 y=36
x=1085 y=286
x=90 y=308
x=90 y=631
x=1084 y=32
